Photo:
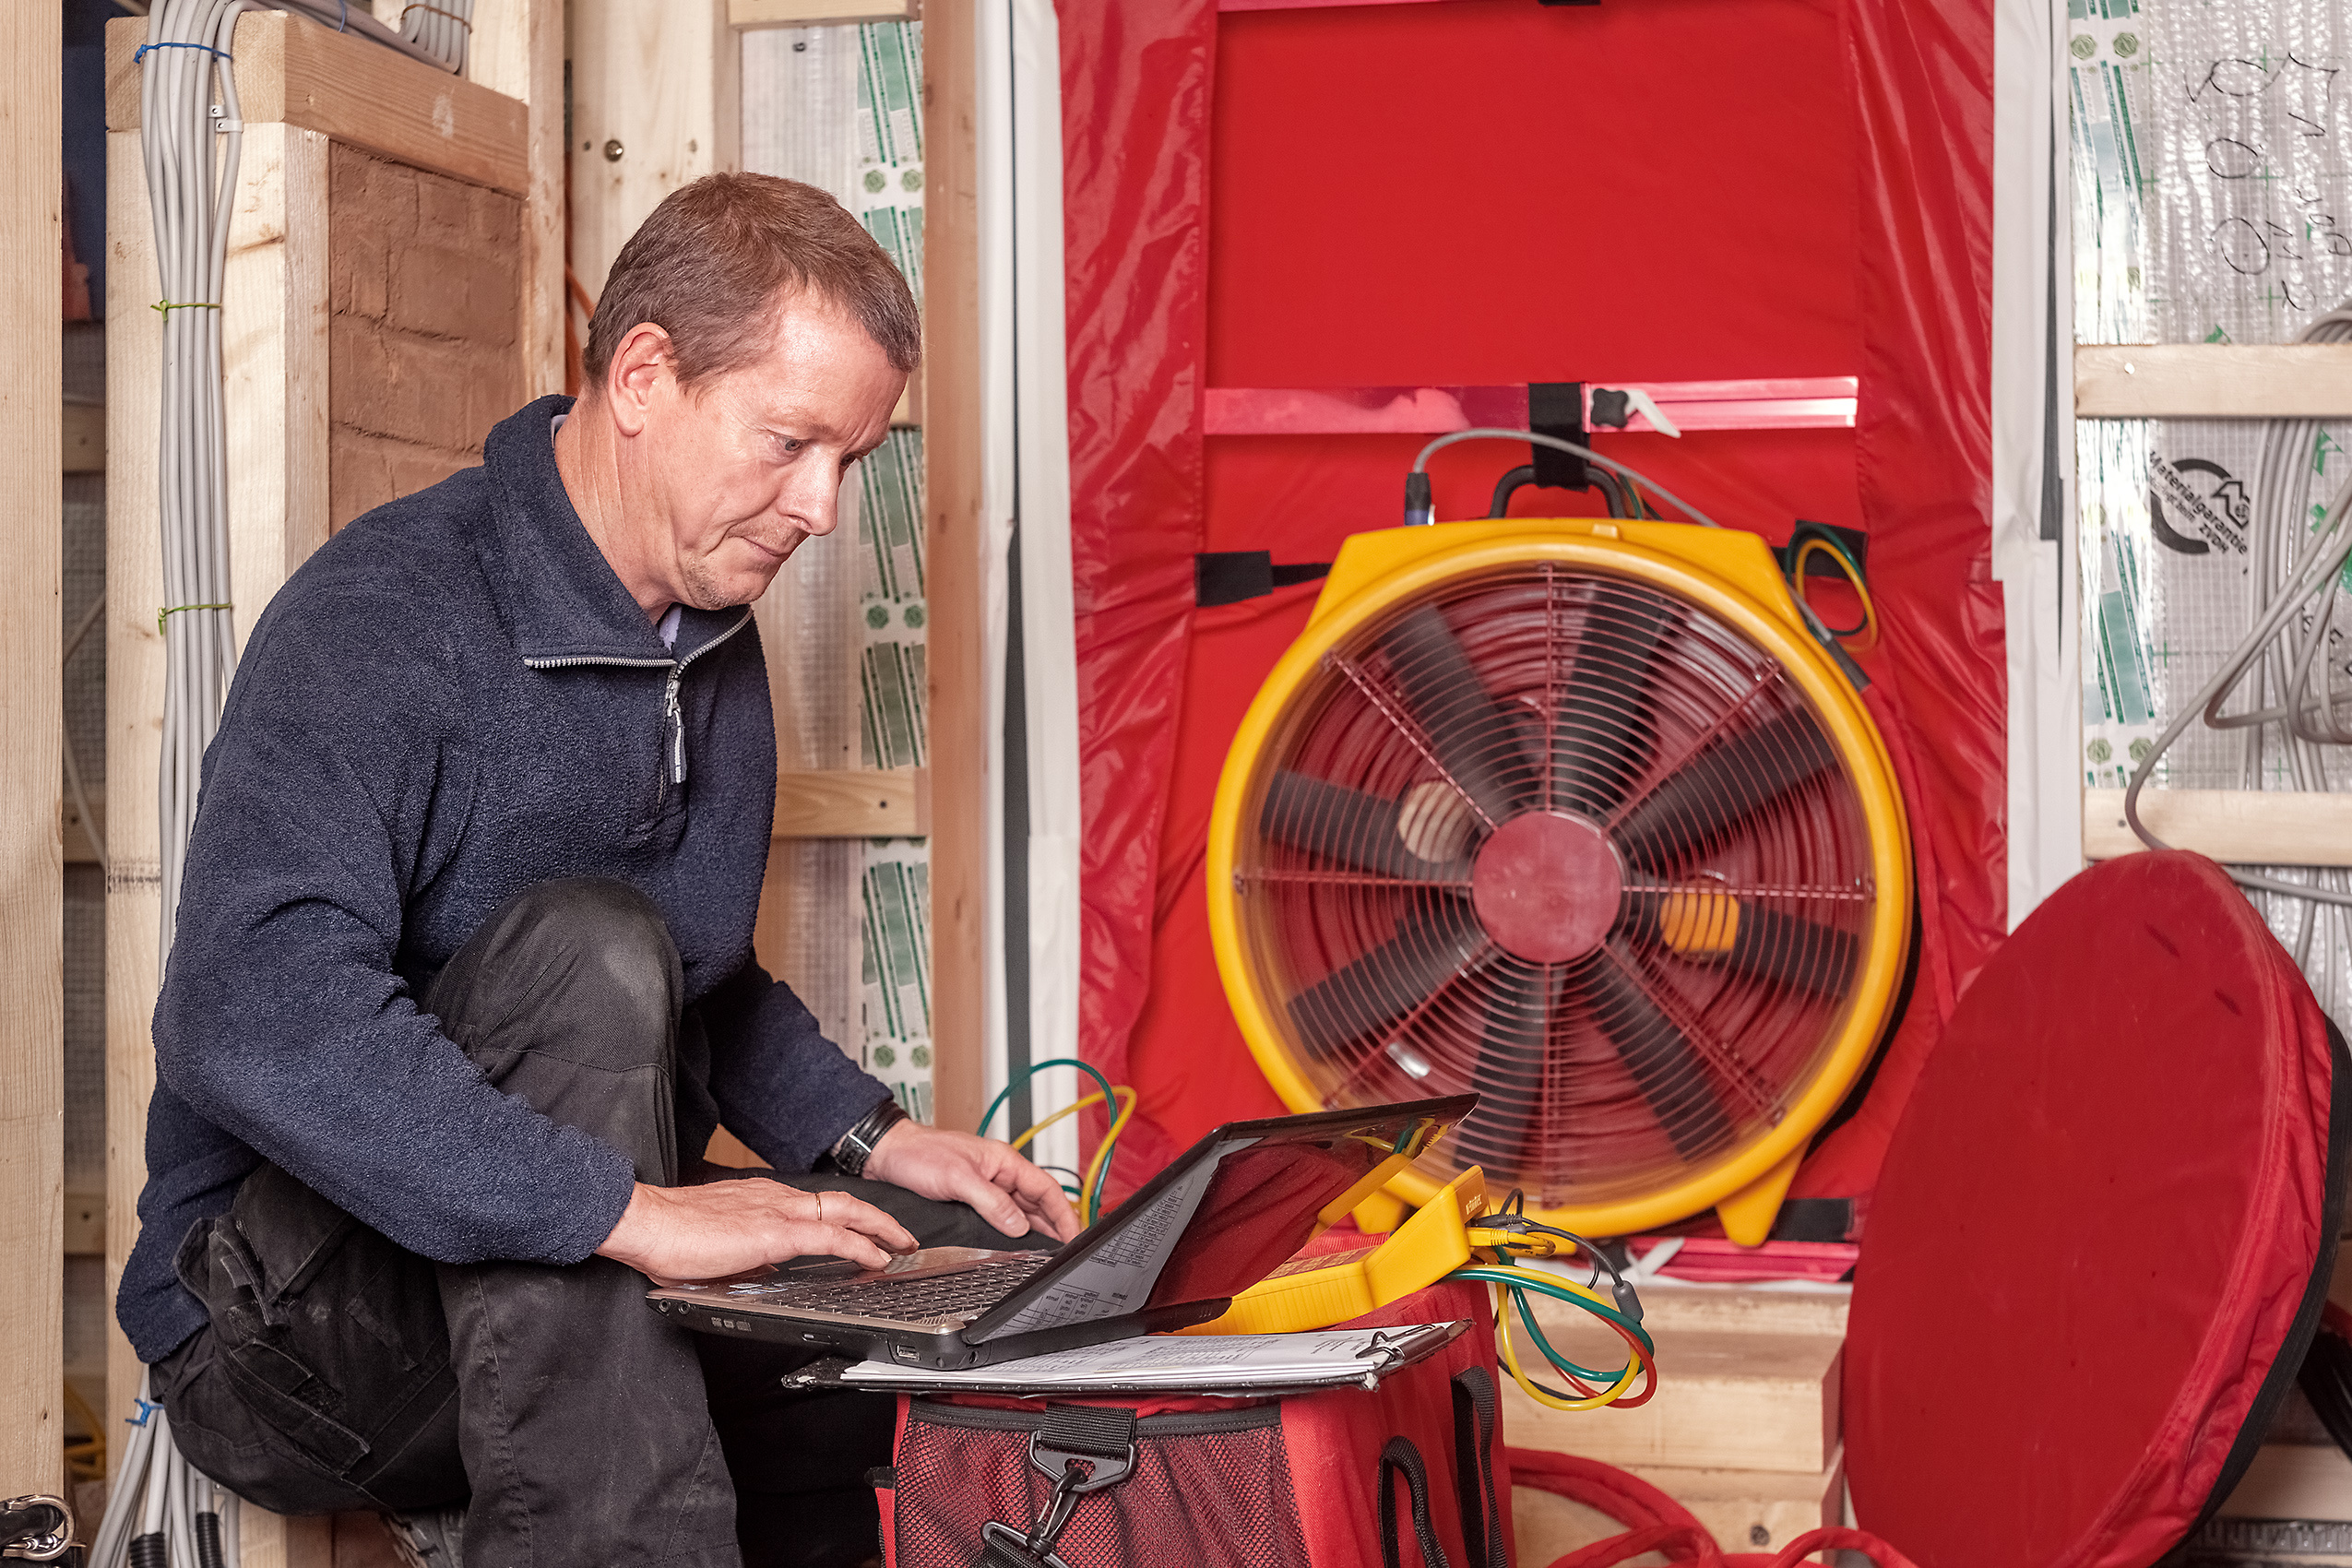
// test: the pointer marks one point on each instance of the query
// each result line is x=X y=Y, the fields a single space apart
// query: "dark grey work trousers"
x=341 y=1372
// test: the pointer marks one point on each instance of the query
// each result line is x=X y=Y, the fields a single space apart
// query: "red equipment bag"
x=1407 y=1475
x=2104 y=1234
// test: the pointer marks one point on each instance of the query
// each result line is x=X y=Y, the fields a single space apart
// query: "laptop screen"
x=1236 y=1205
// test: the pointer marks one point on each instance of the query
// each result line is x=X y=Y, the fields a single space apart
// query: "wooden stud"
x=953 y=553
x=655 y=105
x=32 y=1082
x=2237 y=826
x=518 y=49
x=808 y=13
x=133 y=715
x=853 y=803
x=1736 y=1506
x=353 y=91
x=2213 y=381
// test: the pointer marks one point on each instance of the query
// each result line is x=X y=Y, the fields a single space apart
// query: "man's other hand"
x=1002 y=1187
x=673 y=1234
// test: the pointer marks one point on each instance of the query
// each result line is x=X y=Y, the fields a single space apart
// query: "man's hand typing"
x=672 y=1234
x=1006 y=1190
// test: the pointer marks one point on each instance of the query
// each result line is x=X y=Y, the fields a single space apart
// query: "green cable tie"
x=169 y=610
x=166 y=307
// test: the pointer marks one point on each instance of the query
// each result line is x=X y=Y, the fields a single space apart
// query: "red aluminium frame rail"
x=1796 y=403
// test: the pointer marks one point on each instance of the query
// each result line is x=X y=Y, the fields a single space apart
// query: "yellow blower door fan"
x=1578 y=816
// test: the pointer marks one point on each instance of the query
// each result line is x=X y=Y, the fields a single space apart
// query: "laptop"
x=1237 y=1206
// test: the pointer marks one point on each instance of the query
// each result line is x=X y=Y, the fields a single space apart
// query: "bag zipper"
x=672 y=713
x=1180 y=1423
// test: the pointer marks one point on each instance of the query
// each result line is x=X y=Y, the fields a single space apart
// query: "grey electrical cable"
x=2293 y=570
x=1421 y=463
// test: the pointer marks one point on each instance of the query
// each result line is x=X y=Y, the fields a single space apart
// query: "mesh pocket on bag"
x=1209 y=1490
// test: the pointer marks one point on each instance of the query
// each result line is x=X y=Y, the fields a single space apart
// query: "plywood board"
x=2213 y=381
x=853 y=803
x=1744 y=1510
x=2238 y=826
x=2290 y=1481
x=1726 y=1401
x=353 y=91
x=1736 y=1309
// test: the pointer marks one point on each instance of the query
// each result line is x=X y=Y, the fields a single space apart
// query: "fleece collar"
x=557 y=594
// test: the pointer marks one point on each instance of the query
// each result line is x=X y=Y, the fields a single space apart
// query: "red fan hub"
x=1547 y=885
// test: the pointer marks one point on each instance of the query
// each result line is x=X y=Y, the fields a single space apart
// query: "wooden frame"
x=861 y=803
x=32 y=1078
x=808 y=13
x=2219 y=381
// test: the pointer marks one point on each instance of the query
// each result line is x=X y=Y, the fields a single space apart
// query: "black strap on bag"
x=1081 y=1449
x=1401 y=1458
x=1474 y=1468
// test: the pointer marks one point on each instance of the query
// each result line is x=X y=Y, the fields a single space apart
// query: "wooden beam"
x=655 y=105
x=2237 y=826
x=516 y=49
x=809 y=13
x=853 y=803
x=953 y=555
x=2134 y=381
x=32 y=513
x=352 y=90
x=134 y=710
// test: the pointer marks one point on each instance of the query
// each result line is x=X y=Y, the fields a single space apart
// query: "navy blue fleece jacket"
x=454 y=699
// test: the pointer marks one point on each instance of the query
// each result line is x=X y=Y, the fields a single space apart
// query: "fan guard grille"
x=1559 y=837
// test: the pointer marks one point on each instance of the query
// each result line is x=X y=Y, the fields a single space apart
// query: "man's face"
x=746 y=465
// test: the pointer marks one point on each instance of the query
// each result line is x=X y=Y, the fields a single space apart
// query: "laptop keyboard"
x=917 y=1300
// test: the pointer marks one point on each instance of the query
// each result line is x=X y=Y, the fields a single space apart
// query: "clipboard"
x=1382 y=1352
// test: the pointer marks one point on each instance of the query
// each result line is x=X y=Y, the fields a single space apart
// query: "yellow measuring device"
x=1317 y=1292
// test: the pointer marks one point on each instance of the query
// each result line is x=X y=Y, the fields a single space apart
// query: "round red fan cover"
x=2104 y=1232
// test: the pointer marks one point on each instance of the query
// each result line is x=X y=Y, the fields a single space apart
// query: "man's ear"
x=638 y=365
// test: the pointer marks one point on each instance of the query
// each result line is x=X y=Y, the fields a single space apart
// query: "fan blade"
x=1385 y=985
x=1693 y=807
x=1487 y=748
x=1754 y=942
x=1509 y=1077
x=1663 y=1063
x=1345 y=827
x=1604 y=738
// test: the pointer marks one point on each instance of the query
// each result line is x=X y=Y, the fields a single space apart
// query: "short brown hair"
x=708 y=264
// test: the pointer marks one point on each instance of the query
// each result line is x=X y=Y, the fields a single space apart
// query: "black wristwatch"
x=849 y=1156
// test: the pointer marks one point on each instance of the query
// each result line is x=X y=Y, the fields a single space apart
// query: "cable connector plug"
x=1421 y=508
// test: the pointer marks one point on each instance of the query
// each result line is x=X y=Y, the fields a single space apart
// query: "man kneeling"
x=462 y=980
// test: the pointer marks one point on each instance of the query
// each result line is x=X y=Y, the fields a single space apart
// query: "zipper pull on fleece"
x=676 y=715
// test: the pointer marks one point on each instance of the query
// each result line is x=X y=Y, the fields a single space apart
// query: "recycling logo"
x=2195 y=507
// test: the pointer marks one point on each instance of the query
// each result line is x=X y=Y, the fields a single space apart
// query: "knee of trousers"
x=589 y=948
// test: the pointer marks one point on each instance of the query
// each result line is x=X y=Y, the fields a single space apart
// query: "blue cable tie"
x=147 y=1408
x=345 y=25
x=141 y=53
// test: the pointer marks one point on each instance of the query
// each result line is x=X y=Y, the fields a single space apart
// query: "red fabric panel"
x=2130 y=1113
x=1489 y=191
x=1135 y=100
